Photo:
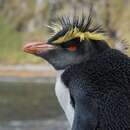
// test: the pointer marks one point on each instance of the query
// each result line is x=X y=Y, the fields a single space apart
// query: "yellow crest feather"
x=75 y=33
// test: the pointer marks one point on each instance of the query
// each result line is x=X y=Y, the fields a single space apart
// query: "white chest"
x=63 y=95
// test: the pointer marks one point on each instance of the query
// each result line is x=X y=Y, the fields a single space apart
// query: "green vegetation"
x=11 y=43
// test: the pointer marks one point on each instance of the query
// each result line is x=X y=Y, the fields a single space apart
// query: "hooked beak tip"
x=28 y=48
x=37 y=47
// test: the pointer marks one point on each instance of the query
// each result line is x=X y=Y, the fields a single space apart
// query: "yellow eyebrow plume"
x=76 y=33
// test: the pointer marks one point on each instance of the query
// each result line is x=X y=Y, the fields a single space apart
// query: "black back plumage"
x=105 y=77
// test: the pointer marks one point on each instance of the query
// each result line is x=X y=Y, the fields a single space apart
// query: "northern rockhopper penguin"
x=93 y=83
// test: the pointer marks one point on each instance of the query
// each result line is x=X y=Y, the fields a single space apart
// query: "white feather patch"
x=63 y=95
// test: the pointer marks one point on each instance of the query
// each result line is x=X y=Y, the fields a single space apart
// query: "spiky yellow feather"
x=76 y=33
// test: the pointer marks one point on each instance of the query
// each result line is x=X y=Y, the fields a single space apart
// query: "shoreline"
x=44 y=80
x=42 y=73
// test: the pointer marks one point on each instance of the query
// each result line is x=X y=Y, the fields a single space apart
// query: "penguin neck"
x=60 y=72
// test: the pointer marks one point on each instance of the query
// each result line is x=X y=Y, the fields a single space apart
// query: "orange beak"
x=37 y=47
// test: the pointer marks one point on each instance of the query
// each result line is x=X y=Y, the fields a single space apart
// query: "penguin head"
x=73 y=41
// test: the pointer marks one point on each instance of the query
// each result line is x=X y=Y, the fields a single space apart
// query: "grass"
x=11 y=43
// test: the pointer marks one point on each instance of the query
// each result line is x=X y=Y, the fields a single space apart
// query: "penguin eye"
x=72 y=48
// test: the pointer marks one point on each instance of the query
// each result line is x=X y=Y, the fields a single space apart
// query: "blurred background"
x=27 y=98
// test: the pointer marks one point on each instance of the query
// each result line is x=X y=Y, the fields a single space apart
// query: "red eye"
x=72 y=48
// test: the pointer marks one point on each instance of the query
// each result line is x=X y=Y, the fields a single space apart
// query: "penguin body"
x=106 y=80
x=94 y=88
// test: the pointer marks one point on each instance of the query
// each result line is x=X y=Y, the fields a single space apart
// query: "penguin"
x=93 y=79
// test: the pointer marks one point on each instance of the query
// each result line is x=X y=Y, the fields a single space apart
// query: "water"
x=30 y=106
